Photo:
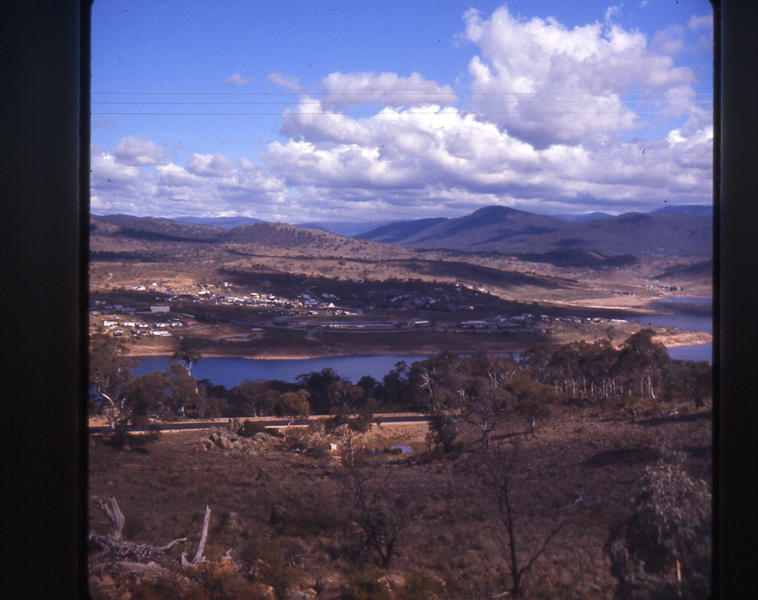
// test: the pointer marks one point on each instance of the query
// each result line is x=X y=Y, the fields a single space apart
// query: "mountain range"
x=515 y=232
x=669 y=231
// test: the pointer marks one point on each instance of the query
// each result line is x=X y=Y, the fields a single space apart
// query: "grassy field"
x=286 y=518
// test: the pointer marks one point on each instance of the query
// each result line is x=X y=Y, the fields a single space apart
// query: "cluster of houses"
x=528 y=320
x=125 y=326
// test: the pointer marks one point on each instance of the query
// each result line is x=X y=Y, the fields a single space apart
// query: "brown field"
x=269 y=500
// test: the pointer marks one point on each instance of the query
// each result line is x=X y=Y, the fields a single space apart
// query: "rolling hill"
x=514 y=232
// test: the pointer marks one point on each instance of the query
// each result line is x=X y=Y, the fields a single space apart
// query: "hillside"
x=515 y=232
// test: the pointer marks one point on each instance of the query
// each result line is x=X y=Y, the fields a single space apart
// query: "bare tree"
x=499 y=476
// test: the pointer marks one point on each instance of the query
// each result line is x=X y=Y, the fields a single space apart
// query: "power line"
x=372 y=95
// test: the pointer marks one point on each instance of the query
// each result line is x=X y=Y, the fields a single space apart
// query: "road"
x=269 y=423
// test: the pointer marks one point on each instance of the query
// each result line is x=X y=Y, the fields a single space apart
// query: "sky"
x=357 y=110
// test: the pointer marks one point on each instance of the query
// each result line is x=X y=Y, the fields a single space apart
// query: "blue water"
x=697 y=352
x=690 y=322
x=230 y=372
x=682 y=299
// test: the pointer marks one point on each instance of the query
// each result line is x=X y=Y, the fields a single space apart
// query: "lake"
x=230 y=372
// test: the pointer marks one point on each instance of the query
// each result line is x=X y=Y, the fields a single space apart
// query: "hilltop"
x=515 y=232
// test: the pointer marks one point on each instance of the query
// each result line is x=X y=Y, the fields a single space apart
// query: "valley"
x=275 y=290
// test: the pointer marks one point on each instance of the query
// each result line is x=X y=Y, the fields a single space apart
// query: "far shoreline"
x=669 y=340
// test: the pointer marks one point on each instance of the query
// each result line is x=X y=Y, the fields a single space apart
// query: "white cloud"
x=547 y=84
x=209 y=164
x=701 y=23
x=207 y=185
x=238 y=80
x=387 y=89
x=139 y=153
x=669 y=41
x=454 y=159
x=288 y=82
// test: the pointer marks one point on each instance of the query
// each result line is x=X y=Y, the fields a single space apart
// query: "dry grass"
x=270 y=501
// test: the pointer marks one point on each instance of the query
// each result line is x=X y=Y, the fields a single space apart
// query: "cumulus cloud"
x=452 y=159
x=545 y=126
x=237 y=80
x=139 y=153
x=213 y=165
x=547 y=83
x=209 y=184
x=388 y=89
x=288 y=82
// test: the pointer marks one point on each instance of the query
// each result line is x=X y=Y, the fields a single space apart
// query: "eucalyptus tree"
x=641 y=362
x=109 y=379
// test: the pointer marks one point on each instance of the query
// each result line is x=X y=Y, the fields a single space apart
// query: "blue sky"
x=299 y=110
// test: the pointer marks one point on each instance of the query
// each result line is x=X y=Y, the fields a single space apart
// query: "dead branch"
x=171 y=544
x=201 y=548
x=114 y=514
x=113 y=543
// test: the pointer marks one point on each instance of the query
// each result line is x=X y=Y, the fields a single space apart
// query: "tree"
x=186 y=355
x=662 y=551
x=395 y=388
x=380 y=520
x=485 y=396
x=642 y=360
x=149 y=395
x=183 y=390
x=438 y=381
x=255 y=398
x=317 y=384
x=345 y=398
x=443 y=431
x=497 y=467
x=292 y=404
x=109 y=380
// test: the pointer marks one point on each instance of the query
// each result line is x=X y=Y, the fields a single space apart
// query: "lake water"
x=230 y=372
x=698 y=318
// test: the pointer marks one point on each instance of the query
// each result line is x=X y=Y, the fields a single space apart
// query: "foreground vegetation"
x=523 y=482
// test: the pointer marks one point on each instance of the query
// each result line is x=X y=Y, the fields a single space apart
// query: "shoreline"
x=669 y=340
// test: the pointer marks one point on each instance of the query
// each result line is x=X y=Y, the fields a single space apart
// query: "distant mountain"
x=147 y=239
x=583 y=217
x=393 y=233
x=155 y=229
x=346 y=228
x=223 y=222
x=510 y=231
x=685 y=209
x=478 y=231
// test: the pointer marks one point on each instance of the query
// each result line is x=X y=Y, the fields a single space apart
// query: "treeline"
x=477 y=388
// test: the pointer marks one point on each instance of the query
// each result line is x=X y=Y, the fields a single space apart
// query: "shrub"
x=251 y=428
x=365 y=587
x=663 y=550
x=270 y=565
x=443 y=429
x=421 y=586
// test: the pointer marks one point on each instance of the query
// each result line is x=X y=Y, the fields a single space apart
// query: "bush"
x=421 y=586
x=443 y=429
x=663 y=550
x=270 y=566
x=251 y=428
x=365 y=587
